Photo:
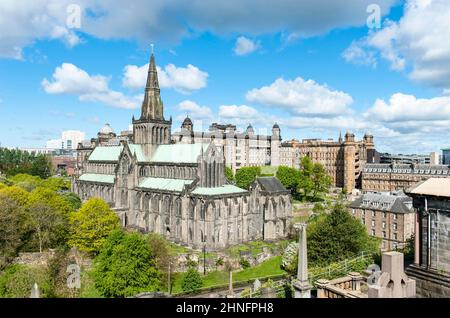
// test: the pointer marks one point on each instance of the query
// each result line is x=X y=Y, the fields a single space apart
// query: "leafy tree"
x=17 y=194
x=160 y=248
x=18 y=280
x=289 y=178
x=73 y=199
x=51 y=198
x=14 y=161
x=41 y=167
x=314 y=180
x=244 y=263
x=336 y=236
x=246 y=175
x=229 y=174
x=91 y=225
x=26 y=181
x=11 y=228
x=56 y=184
x=126 y=266
x=192 y=281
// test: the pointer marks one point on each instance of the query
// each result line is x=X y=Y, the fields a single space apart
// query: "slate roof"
x=397 y=203
x=96 y=177
x=271 y=184
x=137 y=149
x=408 y=168
x=164 y=184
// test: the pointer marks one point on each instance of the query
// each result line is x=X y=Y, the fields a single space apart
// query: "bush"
x=17 y=281
x=192 y=281
x=244 y=263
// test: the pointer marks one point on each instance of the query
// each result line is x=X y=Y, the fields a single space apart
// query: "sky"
x=317 y=68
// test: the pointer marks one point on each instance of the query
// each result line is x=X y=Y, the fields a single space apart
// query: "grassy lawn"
x=267 y=268
x=269 y=170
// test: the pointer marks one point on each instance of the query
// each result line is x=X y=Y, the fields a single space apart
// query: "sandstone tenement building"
x=389 y=217
x=393 y=177
x=342 y=159
x=177 y=190
x=241 y=149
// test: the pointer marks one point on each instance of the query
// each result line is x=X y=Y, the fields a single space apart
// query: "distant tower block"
x=301 y=284
x=393 y=282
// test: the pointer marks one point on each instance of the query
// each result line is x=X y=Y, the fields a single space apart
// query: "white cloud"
x=69 y=79
x=300 y=97
x=418 y=42
x=182 y=79
x=245 y=46
x=357 y=55
x=238 y=112
x=172 y=20
x=30 y=20
x=194 y=111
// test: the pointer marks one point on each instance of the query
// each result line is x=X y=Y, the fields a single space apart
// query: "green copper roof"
x=95 y=177
x=225 y=189
x=178 y=153
x=164 y=184
x=106 y=153
x=137 y=149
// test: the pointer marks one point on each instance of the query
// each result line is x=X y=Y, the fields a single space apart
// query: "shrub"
x=192 y=281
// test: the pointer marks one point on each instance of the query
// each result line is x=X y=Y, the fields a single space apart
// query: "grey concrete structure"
x=177 y=190
x=301 y=284
x=431 y=267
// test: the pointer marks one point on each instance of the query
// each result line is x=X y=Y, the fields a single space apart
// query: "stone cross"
x=301 y=284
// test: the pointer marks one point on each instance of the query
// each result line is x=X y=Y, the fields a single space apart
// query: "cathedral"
x=177 y=190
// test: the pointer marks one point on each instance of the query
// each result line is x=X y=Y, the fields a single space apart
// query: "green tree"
x=192 y=281
x=289 y=178
x=126 y=266
x=19 y=195
x=26 y=181
x=314 y=181
x=160 y=248
x=337 y=236
x=73 y=199
x=229 y=174
x=56 y=184
x=12 y=228
x=91 y=225
x=246 y=175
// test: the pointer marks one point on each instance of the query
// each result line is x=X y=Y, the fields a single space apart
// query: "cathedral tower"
x=151 y=129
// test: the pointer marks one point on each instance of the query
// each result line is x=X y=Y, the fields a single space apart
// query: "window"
x=384 y=225
x=373 y=223
x=373 y=232
x=394 y=226
x=353 y=211
x=395 y=236
x=384 y=214
x=395 y=216
x=384 y=234
x=373 y=213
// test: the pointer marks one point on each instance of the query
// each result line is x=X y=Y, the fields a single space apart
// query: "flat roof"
x=433 y=186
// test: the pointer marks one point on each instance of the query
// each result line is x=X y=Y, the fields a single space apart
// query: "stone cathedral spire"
x=152 y=106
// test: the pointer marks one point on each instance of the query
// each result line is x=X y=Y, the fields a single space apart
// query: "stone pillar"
x=301 y=284
x=417 y=239
x=321 y=286
x=356 y=280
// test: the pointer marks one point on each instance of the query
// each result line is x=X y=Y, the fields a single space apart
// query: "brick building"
x=389 y=217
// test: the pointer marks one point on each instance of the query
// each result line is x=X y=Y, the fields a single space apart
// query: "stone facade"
x=177 y=190
x=389 y=217
x=241 y=149
x=342 y=159
x=431 y=266
x=394 y=177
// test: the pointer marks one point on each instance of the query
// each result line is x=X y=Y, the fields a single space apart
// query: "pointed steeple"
x=152 y=106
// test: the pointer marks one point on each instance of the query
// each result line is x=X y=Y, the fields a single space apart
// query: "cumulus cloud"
x=245 y=46
x=235 y=111
x=194 y=110
x=417 y=42
x=357 y=55
x=301 y=97
x=182 y=79
x=172 y=20
x=69 y=79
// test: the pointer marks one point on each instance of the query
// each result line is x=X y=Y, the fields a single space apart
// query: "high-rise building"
x=69 y=140
x=446 y=156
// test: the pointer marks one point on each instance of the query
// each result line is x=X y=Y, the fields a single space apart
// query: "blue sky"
x=315 y=77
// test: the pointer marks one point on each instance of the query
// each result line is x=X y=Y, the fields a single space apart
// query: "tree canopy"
x=15 y=161
x=91 y=225
x=337 y=236
x=126 y=266
x=246 y=175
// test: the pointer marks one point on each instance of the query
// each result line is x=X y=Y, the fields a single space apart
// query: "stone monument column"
x=301 y=284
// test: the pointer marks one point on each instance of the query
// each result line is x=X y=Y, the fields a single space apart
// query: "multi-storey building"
x=177 y=190
x=389 y=217
x=393 y=177
x=342 y=159
x=241 y=149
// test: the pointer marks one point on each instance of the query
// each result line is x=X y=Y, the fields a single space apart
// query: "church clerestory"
x=177 y=190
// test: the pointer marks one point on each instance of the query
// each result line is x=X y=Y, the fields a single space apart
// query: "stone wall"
x=34 y=258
